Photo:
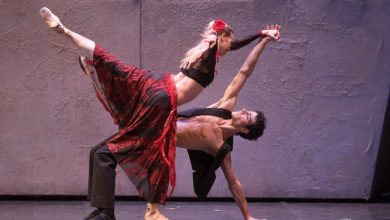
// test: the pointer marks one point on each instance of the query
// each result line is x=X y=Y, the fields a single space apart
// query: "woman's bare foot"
x=52 y=20
x=54 y=23
x=152 y=213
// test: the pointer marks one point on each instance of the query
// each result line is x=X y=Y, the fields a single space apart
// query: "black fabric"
x=237 y=44
x=101 y=181
x=101 y=214
x=205 y=165
x=204 y=79
x=218 y=112
x=202 y=70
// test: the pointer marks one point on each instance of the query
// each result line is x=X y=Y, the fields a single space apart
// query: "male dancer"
x=208 y=130
x=208 y=133
x=143 y=105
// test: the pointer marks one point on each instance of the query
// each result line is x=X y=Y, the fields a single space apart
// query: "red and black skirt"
x=144 y=106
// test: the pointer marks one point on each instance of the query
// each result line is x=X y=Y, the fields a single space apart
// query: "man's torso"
x=200 y=133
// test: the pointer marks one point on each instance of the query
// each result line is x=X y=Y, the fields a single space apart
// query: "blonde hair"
x=209 y=37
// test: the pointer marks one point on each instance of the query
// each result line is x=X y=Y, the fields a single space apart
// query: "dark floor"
x=71 y=210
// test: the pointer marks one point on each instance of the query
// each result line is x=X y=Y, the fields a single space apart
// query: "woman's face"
x=224 y=43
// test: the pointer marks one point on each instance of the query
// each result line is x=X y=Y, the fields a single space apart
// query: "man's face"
x=243 y=118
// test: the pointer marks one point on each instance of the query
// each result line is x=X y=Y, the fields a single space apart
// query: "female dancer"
x=143 y=104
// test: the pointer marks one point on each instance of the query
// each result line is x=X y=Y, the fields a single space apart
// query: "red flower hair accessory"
x=219 y=26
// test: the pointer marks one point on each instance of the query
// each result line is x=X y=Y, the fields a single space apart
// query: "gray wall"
x=323 y=88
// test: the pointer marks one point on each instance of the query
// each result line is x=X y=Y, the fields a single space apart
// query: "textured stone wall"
x=323 y=88
x=49 y=113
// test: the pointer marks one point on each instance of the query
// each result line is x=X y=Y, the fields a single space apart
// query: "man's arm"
x=229 y=99
x=235 y=186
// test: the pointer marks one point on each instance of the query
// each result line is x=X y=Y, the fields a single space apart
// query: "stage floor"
x=129 y=210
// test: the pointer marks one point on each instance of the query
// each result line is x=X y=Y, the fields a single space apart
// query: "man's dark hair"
x=255 y=130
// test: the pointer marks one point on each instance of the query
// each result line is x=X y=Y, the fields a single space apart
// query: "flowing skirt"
x=144 y=106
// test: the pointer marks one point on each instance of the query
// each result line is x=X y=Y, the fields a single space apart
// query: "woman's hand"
x=251 y=218
x=272 y=31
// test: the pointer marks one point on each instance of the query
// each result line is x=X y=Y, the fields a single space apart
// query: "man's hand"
x=272 y=32
x=251 y=218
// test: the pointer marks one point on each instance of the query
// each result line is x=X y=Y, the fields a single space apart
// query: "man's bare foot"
x=51 y=20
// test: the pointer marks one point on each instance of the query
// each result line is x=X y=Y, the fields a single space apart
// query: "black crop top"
x=202 y=70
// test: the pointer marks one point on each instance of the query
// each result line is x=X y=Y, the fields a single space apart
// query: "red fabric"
x=144 y=105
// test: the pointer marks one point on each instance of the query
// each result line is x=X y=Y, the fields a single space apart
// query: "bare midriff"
x=187 y=88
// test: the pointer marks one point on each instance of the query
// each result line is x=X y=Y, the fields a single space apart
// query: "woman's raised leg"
x=53 y=22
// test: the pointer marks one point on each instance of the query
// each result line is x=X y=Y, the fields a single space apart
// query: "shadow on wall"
x=381 y=182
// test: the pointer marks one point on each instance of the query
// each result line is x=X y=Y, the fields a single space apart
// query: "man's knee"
x=94 y=149
x=103 y=156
